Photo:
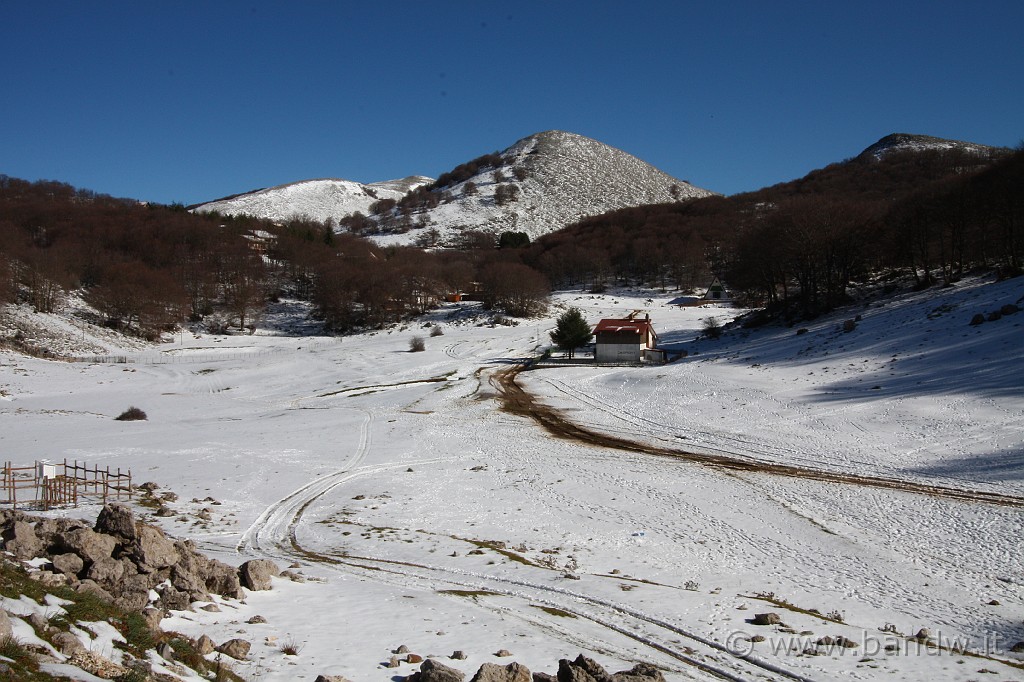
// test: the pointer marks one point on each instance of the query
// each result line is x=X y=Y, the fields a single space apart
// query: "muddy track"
x=516 y=400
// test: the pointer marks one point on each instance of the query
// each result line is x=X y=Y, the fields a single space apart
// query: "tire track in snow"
x=274 y=534
x=516 y=400
x=283 y=514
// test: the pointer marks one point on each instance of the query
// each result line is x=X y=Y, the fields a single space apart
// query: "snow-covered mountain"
x=900 y=142
x=317 y=199
x=538 y=185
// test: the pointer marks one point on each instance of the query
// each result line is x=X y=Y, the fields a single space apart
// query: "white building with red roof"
x=624 y=340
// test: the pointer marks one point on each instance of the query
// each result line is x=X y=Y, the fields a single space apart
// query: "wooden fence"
x=46 y=485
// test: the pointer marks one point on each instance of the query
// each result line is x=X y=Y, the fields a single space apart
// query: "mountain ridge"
x=897 y=142
x=537 y=185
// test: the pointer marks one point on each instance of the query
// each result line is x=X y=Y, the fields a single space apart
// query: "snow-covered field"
x=422 y=514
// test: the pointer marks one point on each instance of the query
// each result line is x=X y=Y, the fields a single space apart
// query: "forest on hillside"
x=928 y=215
x=799 y=247
x=148 y=268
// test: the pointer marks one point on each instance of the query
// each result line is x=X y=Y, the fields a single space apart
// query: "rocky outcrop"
x=582 y=669
x=123 y=560
x=432 y=671
x=492 y=672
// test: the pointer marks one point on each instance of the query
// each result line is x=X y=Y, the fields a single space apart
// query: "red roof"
x=627 y=326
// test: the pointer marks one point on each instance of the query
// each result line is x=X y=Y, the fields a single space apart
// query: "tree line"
x=929 y=215
x=798 y=246
x=146 y=269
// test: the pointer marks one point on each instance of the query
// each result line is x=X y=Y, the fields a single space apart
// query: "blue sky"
x=191 y=101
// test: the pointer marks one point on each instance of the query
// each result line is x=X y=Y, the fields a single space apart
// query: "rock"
x=152 y=550
x=67 y=643
x=568 y=671
x=49 y=579
x=256 y=620
x=1018 y=648
x=641 y=672
x=237 y=649
x=255 y=574
x=849 y=325
x=977 y=319
x=1009 y=309
x=134 y=601
x=88 y=544
x=458 y=655
x=766 y=619
x=90 y=587
x=403 y=649
x=204 y=645
x=173 y=599
x=293 y=576
x=222 y=579
x=502 y=653
x=544 y=677
x=432 y=671
x=70 y=564
x=149 y=486
x=117 y=520
x=331 y=678
x=923 y=635
x=393 y=662
x=50 y=531
x=39 y=622
x=106 y=571
x=513 y=672
x=196 y=574
x=213 y=608
x=413 y=658
x=6 y=628
x=20 y=539
x=152 y=617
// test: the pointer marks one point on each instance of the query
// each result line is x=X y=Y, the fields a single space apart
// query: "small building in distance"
x=717 y=293
x=624 y=340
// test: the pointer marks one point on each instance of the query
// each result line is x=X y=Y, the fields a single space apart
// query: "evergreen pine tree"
x=571 y=331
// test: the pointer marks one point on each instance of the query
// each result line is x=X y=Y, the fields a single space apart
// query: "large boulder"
x=492 y=672
x=222 y=579
x=20 y=540
x=70 y=564
x=255 y=574
x=152 y=550
x=583 y=669
x=198 y=573
x=117 y=520
x=237 y=649
x=88 y=544
x=432 y=671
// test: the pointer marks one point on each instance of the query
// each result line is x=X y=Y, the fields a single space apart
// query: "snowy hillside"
x=316 y=199
x=900 y=142
x=862 y=485
x=565 y=177
x=553 y=179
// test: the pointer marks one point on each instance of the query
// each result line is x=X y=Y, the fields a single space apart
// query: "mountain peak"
x=898 y=142
x=538 y=185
